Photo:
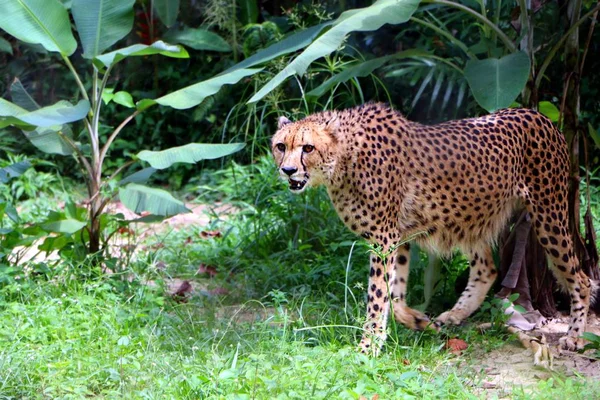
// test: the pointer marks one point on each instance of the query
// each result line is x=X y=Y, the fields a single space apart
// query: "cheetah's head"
x=304 y=151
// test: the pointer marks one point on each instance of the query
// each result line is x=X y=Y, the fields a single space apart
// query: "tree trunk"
x=523 y=266
x=588 y=256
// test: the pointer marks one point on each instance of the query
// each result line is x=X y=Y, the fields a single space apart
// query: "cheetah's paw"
x=412 y=319
x=571 y=343
x=448 y=318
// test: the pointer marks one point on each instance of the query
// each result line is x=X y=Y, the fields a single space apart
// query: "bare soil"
x=512 y=366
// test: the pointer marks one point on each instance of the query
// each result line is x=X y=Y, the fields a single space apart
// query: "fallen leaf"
x=375 y=397
x=207 y=269
x=406 y=362
x=180 y=293
x=489 y=385
x=456 y=346
x=209 y=234
x=125 y=231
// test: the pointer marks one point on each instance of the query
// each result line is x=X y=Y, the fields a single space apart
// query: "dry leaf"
x=456 y=346
x=207 y=269
x=125 y=231
x=375 y=397
x=489 y=385
x=180 y=293
x=209 y=234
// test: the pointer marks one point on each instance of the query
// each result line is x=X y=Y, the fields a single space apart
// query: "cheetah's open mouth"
x=296 y=185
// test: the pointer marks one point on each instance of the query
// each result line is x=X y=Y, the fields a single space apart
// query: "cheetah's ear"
x=333 y=125
x=282 y=121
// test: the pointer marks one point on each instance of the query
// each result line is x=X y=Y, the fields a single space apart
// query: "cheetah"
x=447 y=186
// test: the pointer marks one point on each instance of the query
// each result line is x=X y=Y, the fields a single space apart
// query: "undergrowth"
x=71 y=340
x=285 y=326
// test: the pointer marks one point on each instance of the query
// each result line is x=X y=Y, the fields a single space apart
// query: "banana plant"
x=99 y=24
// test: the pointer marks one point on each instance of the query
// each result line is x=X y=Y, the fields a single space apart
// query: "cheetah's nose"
x=289 y=171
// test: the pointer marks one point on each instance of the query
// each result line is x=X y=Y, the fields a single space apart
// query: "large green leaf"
x=139 y=198
x=44 y=22
x=189 y=153
x=198 y=39
x=362 y=69
x=496 y=83
x=101 y=23
x=67 y=225
x=21 y=97
x=13 y=171
x=8 y=109
x=364 y=19
x=141 y=176
x=9 y=210
x=167 y=11
x=287 y=45
x=158 y=47
x=56 y=114
x=50 y=140
x=193 y=95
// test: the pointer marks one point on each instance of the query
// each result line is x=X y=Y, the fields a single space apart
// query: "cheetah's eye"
x=308 y=148
x=280 y=147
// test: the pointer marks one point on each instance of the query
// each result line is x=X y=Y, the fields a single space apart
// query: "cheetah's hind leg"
x=481 y=277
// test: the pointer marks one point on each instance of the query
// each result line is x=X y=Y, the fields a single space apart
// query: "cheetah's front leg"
x=380 y=276
x=388 y=276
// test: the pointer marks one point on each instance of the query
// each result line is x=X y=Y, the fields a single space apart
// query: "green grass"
x=73 y=340
x=72 y=333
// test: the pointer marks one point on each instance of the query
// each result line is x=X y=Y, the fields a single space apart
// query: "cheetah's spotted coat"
x=451 y=185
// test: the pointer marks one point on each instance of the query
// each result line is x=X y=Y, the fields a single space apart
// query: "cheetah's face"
x=303 y=152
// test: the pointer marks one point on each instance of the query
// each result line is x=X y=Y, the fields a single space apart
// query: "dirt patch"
x=512 y=365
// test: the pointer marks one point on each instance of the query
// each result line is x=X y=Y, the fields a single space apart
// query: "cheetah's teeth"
x=296 y=185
